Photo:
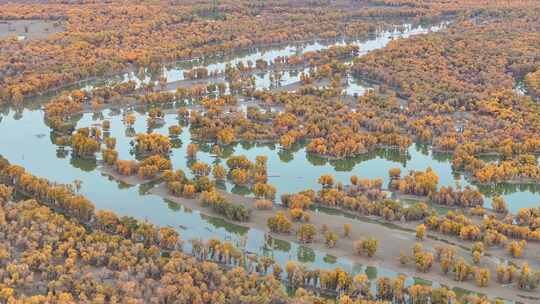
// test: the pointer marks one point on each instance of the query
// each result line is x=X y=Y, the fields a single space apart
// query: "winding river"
x=27 y=141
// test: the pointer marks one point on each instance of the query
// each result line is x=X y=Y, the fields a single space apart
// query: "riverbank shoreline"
x=392 y=241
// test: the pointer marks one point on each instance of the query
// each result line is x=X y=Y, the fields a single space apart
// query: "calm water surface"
x=27 y=141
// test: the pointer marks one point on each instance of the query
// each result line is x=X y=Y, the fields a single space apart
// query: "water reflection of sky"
x=26 y=141
x=262 y=80
x=23 y=143
x=176 y=73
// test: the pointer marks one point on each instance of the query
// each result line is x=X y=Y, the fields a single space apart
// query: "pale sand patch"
x=29 y=29
x=392 y=241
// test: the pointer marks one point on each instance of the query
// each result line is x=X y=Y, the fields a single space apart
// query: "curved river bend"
x=27 y=141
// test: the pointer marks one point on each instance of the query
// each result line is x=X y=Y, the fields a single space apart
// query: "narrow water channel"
x=27 y=141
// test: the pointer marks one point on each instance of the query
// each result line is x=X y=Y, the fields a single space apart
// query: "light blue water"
x=27 y=141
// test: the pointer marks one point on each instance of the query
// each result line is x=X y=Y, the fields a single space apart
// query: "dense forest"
x=101 y=258
x=466 y=86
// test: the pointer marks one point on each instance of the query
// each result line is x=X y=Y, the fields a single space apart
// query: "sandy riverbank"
x=391 y=242
x=394 y=237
